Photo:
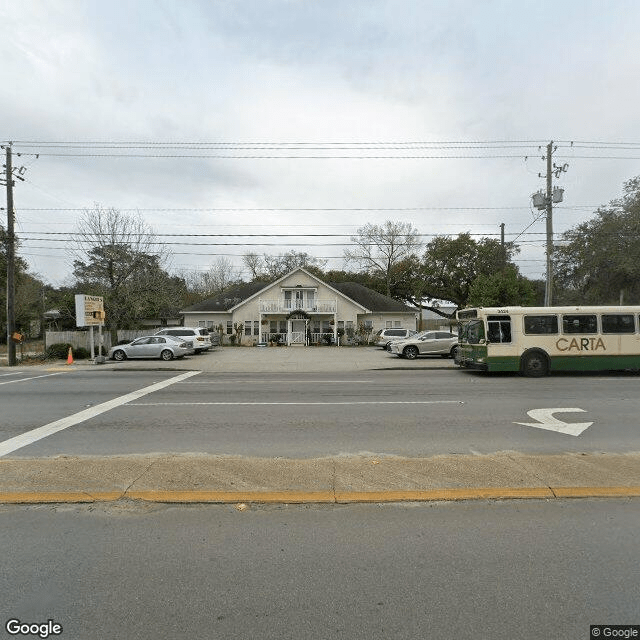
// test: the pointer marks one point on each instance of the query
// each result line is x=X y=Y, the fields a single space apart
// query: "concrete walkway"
x=345 y=479
x=229 y=479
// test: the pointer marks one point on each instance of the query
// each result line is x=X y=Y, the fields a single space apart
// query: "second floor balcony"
x=309 y=306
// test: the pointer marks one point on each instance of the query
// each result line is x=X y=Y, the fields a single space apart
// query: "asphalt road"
x=403 y=412
x=499 y=570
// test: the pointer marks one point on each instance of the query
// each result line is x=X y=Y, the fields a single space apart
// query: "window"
x=229 y=327
x=443 y=335
x=388 y=324
x=397 y=323
x=579 y=324
x=202 y=323
x=273 y=326
x=247 y=327
x=283 y=326
x=540 y=325
x=368 y=324
x=256 y=328
x=499 y=329
x=618 y=323
x=474 y=332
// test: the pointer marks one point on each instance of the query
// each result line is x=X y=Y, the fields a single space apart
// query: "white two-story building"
x=299 y=308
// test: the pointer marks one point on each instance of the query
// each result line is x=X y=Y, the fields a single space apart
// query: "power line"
x=275 y=209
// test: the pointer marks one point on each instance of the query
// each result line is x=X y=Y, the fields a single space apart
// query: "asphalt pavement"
x=191 y=478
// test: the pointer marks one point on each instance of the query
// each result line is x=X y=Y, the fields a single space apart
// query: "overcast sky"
x=328 y=76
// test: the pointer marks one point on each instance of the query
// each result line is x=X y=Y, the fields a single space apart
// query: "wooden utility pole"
x=548 y=293
x=11 y=253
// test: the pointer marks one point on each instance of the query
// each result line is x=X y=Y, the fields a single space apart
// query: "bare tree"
x=220 y=276
x=254 y=264
x=117 y=256
x=379 y=249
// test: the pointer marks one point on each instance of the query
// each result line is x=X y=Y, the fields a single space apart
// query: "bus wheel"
x=534 y=365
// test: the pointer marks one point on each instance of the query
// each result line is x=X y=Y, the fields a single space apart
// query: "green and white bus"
x=538 y=340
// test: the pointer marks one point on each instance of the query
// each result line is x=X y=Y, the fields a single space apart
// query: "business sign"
x=89 y=311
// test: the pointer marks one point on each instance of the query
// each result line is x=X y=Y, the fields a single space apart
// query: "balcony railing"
x=286 y=306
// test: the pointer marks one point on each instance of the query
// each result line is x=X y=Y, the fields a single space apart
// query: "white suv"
x=196 y=337
x=385 y=336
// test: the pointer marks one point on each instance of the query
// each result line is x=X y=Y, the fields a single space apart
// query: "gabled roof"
x=228 y=299
x=368 y=299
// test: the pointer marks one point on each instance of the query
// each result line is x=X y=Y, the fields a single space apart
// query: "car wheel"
x=166 y=354
x=411 y=353
x=454 y=352
x=119 y=355
x=534 y=365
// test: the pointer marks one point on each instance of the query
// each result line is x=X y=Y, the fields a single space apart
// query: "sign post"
x=90 y=313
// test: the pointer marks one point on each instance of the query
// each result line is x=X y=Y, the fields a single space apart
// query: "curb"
x=321 y=497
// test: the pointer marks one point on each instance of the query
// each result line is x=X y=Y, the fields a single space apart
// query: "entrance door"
x=297 y=331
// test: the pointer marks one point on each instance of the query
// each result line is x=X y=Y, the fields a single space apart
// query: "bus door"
x=499 y=331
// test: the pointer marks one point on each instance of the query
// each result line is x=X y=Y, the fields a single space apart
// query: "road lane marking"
x=46 y=375
x=53 y=427
x=280 y=380
x=251 y=404
x=13 y=373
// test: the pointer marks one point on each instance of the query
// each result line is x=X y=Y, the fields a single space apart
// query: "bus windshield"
x=472 y=332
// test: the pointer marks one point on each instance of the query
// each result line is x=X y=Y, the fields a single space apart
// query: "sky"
x=308 y=119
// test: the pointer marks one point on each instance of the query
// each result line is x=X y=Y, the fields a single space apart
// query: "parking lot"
x=279 y=359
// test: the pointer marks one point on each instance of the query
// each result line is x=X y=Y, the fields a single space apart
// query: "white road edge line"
x=53 y=427
x=46 y=375
x=190 y=404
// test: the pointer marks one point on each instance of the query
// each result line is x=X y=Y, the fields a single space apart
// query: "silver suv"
x=385 y=336
x=196 y=337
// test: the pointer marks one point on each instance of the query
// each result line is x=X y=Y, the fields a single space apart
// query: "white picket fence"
x=81 y=338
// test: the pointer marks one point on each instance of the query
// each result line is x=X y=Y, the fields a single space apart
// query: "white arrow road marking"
x=547 y=421
x=64 y=423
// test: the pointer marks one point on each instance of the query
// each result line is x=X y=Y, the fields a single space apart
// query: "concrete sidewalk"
x=192 y=478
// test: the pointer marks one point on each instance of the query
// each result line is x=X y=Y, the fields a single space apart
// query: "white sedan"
x=429 y=343
x=164 y=347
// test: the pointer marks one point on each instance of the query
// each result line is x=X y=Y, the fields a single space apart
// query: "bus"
x=538 y=340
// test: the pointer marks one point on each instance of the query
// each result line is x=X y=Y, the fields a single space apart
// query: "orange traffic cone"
x=70 y=357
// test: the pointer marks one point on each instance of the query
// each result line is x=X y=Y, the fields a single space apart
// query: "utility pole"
x=549 y=288
x=11 y=252
x=544 y=201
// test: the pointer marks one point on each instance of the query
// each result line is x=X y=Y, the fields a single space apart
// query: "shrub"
x=58 y=350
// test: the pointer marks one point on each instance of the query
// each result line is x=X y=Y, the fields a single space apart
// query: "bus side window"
x=618 y=323
x=540 y=325
x=579 y=324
